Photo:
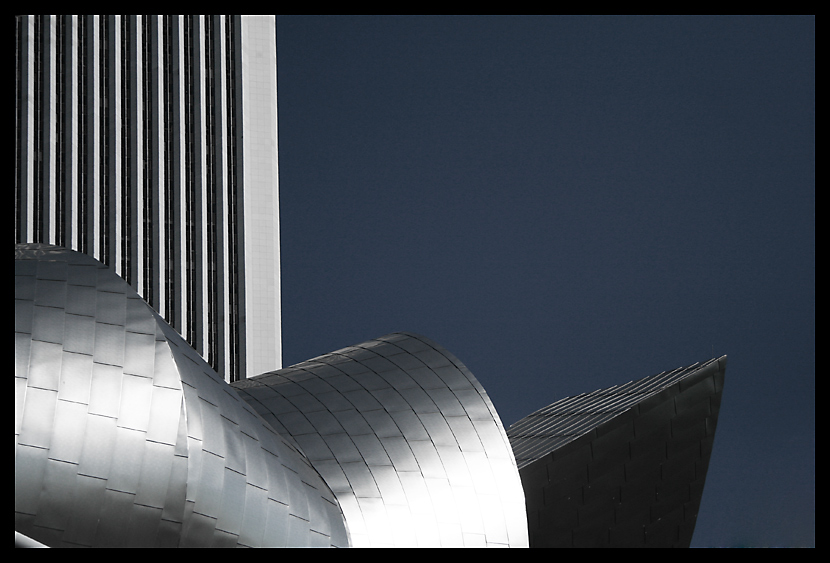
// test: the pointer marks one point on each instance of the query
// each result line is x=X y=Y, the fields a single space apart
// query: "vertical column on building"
x=72 y=223
x=219 y=274
x=194 y=181
x=119 y=188
x=261 y=194
x=138 y=78
x=132 y=214
x=235 y=198
x=88 y=109
x=109 y=169
x=50 y=115
x=41 y=137
x=155 y=159
x=25 y=121
x=175 y=269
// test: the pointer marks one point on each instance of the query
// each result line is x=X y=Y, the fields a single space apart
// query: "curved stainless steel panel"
x=124 y=436
x=407 y=439
x=623 y=466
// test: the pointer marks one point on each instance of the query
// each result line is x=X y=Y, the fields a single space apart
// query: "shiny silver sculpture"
x=124 y=436
x=406 y=438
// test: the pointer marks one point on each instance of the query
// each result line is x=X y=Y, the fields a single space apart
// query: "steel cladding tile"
x=399 y=452
x=391 y=400
x=382 y=424
x=410 y=425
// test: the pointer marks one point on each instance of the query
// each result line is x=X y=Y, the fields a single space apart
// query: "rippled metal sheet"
x=406 y=438
x=624 y=466
x=124 y=436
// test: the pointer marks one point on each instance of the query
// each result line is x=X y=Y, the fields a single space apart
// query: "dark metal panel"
x=370 y=380
x=115 y=517
x=23 y=310
x=426 y=378
x=314 y=447
x=334 y=401
x=47 y=323
x=398 y=379
x=143 y=525
x=50 y=292
x=306 y=403
x=629 y=471
x=81 y=300
x=419 y=400
x=362 y=400
x=391 y=400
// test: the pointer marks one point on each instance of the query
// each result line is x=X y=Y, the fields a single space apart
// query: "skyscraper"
x=150 y=143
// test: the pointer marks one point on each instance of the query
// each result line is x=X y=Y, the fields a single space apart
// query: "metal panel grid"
x=124 y=436
x=621 y=467
x=409 y=443
x=552 y=426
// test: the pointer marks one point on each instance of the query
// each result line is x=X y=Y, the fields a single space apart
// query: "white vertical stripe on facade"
x=29 y=214
x=261 y=194
x=116 y=230
x=94 y=109
x=202 y=185
x=137 y=110
x=181 y=232
x=159 y=196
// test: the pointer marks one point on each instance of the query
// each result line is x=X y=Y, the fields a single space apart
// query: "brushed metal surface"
x=406 y=437
x=124 y=436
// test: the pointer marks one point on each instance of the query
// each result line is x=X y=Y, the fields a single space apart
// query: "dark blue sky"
x=566 y=204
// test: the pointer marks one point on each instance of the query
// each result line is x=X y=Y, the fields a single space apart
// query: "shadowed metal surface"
x=406 y=438
x=124 y=436
x=624 y=466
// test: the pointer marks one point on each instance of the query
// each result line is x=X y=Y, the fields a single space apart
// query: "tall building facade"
x=150 y=144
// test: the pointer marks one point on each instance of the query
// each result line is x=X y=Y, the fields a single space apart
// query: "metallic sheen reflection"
x=407 y=439
x=124 y=436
